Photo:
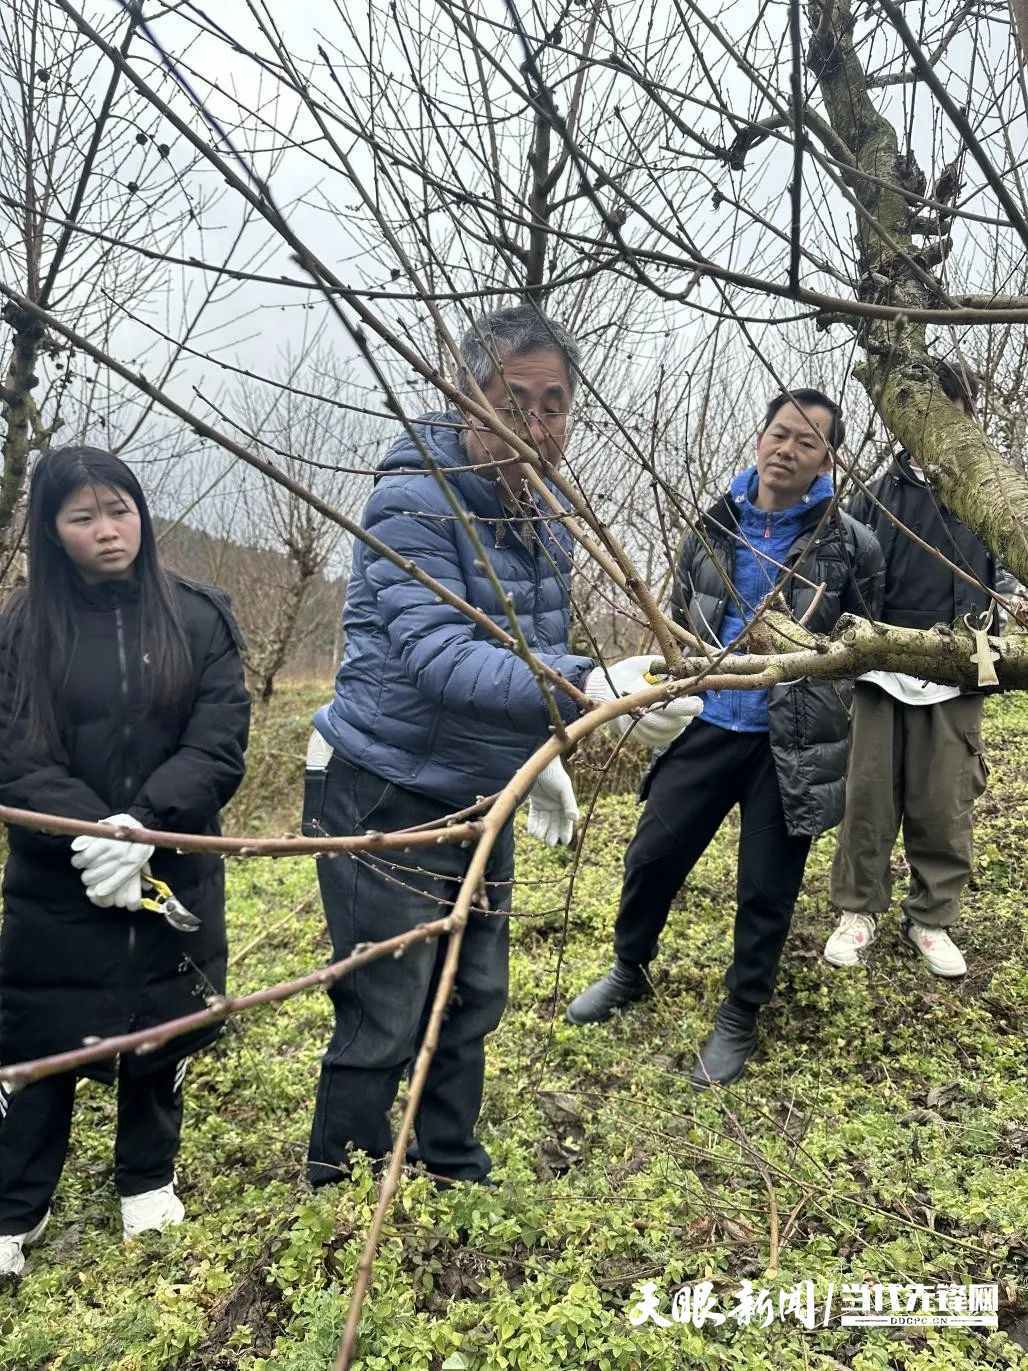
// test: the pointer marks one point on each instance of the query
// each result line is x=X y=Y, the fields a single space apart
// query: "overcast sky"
x=257 y=325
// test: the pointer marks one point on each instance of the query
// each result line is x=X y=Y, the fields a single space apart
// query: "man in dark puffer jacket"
x=779 y=754
x=431 y=712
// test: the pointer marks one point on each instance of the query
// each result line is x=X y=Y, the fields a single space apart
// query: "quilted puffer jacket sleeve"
x=434 y=642
x=680 y=582
x=866 y=588
x=862 y=507
x=32 y=778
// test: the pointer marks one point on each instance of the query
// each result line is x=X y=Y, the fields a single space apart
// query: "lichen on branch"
x=943 y=653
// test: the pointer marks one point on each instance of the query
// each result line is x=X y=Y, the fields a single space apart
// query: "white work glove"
x=661 y=725
x=552 y=811
x=127 y=896
x=110 y=867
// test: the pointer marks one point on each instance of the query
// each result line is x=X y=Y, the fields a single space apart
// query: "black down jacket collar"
x=67 y=969
x=808 y=720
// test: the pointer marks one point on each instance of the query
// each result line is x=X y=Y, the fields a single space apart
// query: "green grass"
x=885 y=1122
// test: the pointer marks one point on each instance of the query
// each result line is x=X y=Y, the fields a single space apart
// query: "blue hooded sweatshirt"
x=424 y=697
x=768 y=534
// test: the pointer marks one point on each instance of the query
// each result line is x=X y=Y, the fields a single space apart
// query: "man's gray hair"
x=509 y=333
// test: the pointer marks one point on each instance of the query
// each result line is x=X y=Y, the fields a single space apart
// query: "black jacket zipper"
x=126 y=780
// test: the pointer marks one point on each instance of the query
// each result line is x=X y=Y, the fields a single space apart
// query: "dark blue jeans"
x=382 y=1010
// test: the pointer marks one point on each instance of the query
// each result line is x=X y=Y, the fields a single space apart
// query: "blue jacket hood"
x=743 y=491
x=767 y=536
x=438 y=432
x=440 y=435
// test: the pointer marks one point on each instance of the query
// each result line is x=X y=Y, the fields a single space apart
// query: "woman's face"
x=98 y=527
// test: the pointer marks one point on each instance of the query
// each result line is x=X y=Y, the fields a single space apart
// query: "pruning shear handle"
x=164 y=902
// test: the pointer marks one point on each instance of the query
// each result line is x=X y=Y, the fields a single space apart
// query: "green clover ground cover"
x=882 y=1131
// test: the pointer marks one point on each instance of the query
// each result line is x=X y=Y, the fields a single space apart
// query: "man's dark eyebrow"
x=802 y=426
x=556 y=388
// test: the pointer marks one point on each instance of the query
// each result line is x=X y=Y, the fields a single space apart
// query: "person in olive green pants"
x=916 y=757
x=919 y=767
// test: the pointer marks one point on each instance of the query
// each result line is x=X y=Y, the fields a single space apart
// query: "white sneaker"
x=12 y=1257
x=154 y=1210
x=855 y=933
x=936 y=947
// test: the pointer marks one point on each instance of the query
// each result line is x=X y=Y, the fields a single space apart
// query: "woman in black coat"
x=121 y=700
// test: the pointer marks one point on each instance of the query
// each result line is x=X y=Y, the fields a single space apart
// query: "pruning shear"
x=163 y=901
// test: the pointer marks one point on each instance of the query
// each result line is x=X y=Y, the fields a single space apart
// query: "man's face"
x=792 y=451
x=532 y=396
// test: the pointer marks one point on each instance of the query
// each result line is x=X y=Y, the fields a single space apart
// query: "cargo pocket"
x=978 y=767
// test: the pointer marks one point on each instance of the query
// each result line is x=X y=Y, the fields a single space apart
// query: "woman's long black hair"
x=40 y=626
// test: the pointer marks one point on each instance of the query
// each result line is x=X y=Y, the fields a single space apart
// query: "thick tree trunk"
x=968 y=472
x=279 y=640
x=1019 y=9
x=22 y=430
x=987 y=492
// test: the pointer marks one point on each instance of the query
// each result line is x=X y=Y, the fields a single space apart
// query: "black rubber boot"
x=724 y=1055
x=623 y=984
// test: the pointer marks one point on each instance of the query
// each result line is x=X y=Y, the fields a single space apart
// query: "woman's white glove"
x=110 y=867
x=127 y=896
x=663 y=723
x=552 y=810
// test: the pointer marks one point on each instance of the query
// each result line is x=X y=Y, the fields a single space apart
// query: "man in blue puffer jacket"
x=430 y=713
